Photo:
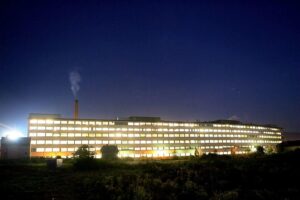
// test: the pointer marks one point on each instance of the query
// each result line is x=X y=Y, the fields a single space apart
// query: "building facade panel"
x=52 y=135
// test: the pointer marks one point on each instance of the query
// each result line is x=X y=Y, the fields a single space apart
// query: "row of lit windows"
x=57 y=128
x=77 y=122
x=72 y=149
x=155 y=155
x=172 y=124
x=168 y=148
x=110 y=142
x=268 y=136
x=125 y=135
x=245 y=126
x=162 y=124
x=146 y=141
x=271 y=133
x=158 y=155
x=139 y=129
x=49 y=121
x=140 y=148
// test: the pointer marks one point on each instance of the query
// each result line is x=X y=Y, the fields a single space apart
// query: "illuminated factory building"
x=139 y=137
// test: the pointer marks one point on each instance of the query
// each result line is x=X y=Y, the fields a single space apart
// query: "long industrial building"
x=139 y=137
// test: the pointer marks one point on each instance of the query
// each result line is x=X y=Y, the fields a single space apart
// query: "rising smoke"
x=74 y=80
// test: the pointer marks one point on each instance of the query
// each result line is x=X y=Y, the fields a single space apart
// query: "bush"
x=84 y=152
x=109 y=152
x=87 y=163
x=91 y=163
x=260 y=150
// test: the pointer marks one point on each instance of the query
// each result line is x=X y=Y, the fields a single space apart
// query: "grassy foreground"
x=210 y=177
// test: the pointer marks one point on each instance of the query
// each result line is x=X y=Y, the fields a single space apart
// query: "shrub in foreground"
x=87 y=163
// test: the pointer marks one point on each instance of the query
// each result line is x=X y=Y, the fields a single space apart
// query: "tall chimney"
x=76 y=109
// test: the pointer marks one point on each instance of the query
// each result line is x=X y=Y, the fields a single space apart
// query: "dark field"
x=211 y=177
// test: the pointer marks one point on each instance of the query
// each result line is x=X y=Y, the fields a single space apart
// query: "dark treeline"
x=210 y=177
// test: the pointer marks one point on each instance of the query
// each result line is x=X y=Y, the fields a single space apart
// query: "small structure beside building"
x=54 y=163
x=15 y=149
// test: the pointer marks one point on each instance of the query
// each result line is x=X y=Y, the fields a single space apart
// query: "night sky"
x=180 y=60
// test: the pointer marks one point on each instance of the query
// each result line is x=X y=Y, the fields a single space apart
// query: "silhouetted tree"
x=84 y=152
x=260 y=150
x=109 y=151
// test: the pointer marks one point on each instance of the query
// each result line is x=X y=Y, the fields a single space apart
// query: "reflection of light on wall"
x=159 y=153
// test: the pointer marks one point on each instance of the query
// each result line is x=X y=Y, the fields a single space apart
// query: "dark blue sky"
x=181 y=60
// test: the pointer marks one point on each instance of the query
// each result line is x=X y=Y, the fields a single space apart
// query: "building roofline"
x=152 y=119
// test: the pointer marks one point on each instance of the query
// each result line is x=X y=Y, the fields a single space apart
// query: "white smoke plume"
x=234 y=117
x=74 y=80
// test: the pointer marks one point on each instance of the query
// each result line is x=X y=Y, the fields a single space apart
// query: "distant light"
x=13 y=134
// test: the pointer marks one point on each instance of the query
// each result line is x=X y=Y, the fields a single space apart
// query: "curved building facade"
x=52 y=135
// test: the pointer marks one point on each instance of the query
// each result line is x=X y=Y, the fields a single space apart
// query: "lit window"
x=55 y=141
x=40 y=141
x=64 y=135
x=41 y=121
x=32 y=134
x=33 y=121
x=40 y=149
